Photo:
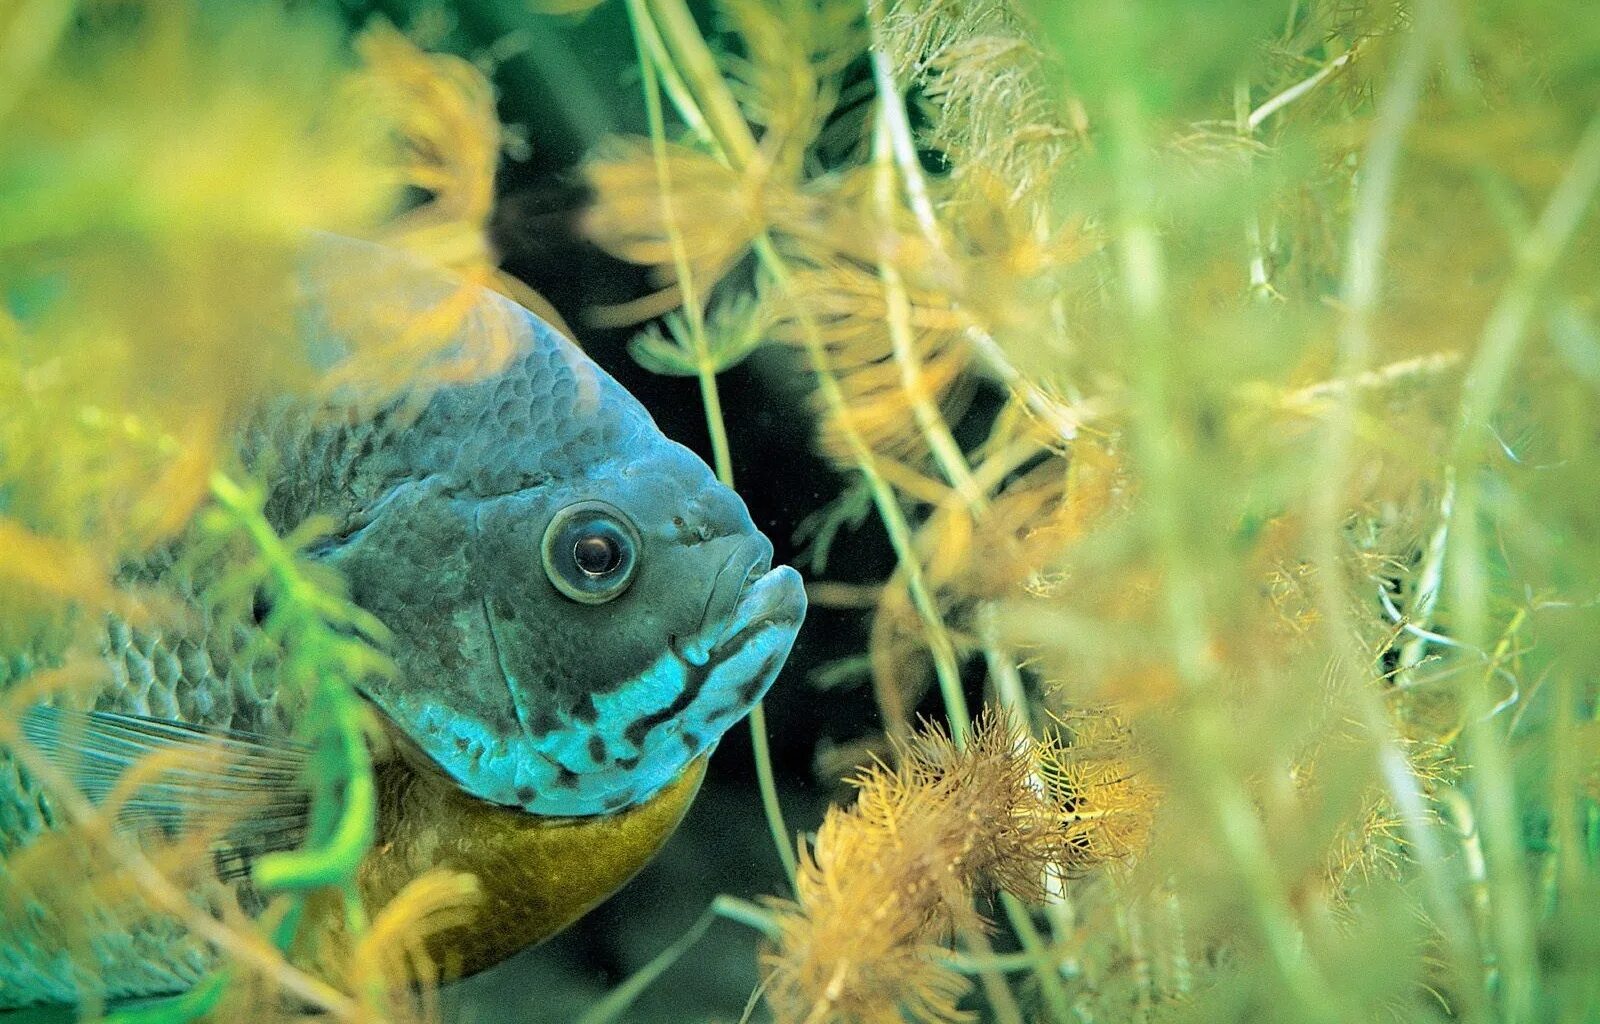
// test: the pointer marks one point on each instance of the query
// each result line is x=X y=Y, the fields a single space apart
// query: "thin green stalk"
x=1565 y=884
x=738 y=147
x=952 y=463
x=710 y=397
x=1011 y=963
x=1244 y=125
x=1397 y=107
x=945 y=663
x=692 y=308
x=734 y=137
x=993 y=982
x=672 y=83
x=904 y=150
x=1467 y=573
x=751 y=915
x=1238 y=827
x=700 y=71
x=1131 y=925
x=781 y=837
x=1182 y=969
x=936 y=433
x=1256 y=118
x=735 y=148
x=620 y=999
x=894 y=148
x=711 y=400
x=1040 y=958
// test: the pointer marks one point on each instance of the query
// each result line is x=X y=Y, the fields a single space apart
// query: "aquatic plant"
x=1220 y=377
x=889 y=880
x=161 y=166
x=1287 y=335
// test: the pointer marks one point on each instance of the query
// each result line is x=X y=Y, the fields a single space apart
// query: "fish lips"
x=746 y=592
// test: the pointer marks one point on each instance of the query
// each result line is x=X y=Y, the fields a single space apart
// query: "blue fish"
x=578 y=612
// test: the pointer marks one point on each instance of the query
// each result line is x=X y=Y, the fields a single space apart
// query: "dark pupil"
x=596 y=555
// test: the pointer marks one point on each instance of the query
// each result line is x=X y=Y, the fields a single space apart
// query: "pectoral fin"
x=156 y=774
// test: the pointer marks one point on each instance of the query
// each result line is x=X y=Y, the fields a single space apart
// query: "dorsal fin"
x=249 y=786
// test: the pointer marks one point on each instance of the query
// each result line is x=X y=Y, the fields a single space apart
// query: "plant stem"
x=619 y=1000
x=671 y=82
x=945 y=664
x=1040 y=958
x=710 y=397
x=893 y=147
x=904 y=150
x=1467 y=574
x=694 y=58
x=781 y=837
x=751 y=915
x=1259 y=115
x=736 y=148
x=1397 y=107
x=1234 y=818
x=935 y=432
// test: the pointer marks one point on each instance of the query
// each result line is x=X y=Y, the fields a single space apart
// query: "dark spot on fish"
x=525 y=794
x=585 y=710
x=462 y=744
x=566 y=778
x=597 y=749
x=690 y=741
x=750 y=692
x=542 y=722
x=696 y=678
x=504 y=609
x=627 y=764
x=617 y=801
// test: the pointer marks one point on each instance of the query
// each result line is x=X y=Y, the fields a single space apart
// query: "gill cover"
x=579 y=609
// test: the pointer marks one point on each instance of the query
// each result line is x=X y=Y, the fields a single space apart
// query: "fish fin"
x=172 y=777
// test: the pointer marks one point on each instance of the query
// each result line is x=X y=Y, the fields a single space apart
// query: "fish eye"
x=590 y=551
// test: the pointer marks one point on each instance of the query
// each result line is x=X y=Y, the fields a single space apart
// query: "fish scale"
x=545 y=737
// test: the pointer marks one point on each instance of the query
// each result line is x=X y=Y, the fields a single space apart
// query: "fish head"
x=579 y=609
x=634 y=615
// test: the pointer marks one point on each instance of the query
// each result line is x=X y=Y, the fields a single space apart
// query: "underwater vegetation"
x=1210 y=396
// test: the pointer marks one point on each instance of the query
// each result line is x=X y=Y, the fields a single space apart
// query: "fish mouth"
x=768 y=598
x=741 y=574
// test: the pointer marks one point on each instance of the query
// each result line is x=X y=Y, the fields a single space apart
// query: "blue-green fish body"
x=578 y=611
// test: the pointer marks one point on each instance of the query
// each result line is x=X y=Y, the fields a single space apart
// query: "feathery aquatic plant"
x=1290 y=313
x=1222 y=377
x=889 y=880
x=161 y=167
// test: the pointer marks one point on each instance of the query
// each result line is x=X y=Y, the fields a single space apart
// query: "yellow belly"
x=538 y=875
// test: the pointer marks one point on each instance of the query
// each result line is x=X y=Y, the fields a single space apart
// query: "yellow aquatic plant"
x=887 y=881
x=161 y=167
x=1277 y=301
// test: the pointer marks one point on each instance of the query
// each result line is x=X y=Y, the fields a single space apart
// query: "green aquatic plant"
x=1221 y=379
x=1257 y=485
x=159 y=175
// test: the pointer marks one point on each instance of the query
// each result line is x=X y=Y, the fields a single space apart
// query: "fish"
x=576 y=611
